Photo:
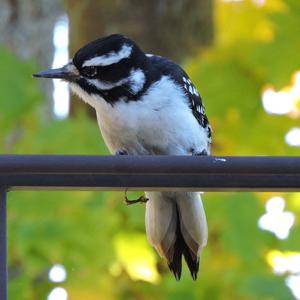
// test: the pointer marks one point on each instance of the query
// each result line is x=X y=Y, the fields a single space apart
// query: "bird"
x=146 y=104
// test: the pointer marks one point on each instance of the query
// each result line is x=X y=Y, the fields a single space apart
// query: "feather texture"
x=176 y=226
x=161 y=220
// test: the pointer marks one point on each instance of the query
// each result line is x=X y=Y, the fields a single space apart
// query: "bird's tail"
x=176 y=226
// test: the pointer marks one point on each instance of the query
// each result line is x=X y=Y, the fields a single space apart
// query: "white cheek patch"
x=110 y=58
x=137 y=80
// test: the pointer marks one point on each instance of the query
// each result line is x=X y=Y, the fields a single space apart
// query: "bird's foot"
x=141 y=199
x=201 y=153
x=121 y=152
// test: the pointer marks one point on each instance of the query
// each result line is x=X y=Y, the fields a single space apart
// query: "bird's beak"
x=68 y=72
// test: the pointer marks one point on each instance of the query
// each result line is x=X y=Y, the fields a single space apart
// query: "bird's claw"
x=201 y=153
x=121 y=152
x=141 y=199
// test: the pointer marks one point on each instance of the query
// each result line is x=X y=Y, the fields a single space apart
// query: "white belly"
x=160 y=123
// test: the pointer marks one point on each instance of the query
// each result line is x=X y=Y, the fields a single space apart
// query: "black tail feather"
x=192 y=262
x=175 y=264
x=181 y=248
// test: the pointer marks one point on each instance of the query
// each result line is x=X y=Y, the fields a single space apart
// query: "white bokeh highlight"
x=61 y=94
x=285 y=262
x=283 y=101
x=292 y=138
x=57 y=273
x=279 y=103
x=58 y=293
x=293 y=282
x=276 y=220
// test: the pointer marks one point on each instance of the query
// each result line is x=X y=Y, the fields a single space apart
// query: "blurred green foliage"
x=102 y=242
x=18 y=94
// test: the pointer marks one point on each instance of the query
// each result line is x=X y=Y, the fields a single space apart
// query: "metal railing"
x=184 y=173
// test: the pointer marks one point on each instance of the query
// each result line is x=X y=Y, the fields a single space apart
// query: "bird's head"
x=111 y=67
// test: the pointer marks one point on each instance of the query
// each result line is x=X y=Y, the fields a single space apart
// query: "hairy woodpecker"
x=147 y=105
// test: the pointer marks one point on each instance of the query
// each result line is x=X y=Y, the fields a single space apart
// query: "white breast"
x=160 y=123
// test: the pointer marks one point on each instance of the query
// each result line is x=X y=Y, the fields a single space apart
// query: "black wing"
x=164 y=66
x=196 y=104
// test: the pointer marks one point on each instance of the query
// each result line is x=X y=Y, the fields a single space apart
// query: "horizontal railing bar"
x=153 y=182
x=156 y=165
x=256 y=173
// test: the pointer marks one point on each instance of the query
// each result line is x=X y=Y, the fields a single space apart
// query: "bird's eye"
x=89 y=72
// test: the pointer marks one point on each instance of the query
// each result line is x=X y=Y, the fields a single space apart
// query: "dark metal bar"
x=3 y=245
x=150 y=172
x=101 y=164
x=153 y=182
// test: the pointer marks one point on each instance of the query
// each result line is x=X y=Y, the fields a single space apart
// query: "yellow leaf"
x=136 y=257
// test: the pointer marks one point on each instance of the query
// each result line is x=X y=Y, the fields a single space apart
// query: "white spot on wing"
x=195 y=91
x=110 y=58
x=188 y=85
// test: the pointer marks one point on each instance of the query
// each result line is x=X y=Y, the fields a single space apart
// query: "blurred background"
x=244 y=57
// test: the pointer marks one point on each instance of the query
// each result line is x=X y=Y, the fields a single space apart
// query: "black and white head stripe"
x=111 y=66
x=107 y=51
x=110 y=58
x=135 y=82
